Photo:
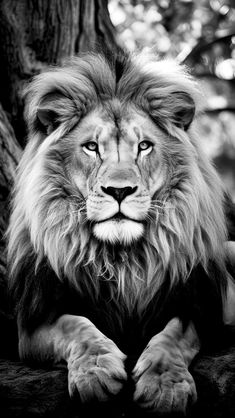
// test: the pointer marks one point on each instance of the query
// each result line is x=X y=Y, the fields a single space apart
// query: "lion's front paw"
x=163 y=384
x=96 y=372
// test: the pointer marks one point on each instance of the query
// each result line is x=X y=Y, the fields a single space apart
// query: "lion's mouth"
x=118 y=229
x=119 y=217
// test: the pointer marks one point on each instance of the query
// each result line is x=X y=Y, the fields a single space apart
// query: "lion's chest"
x=130 y=327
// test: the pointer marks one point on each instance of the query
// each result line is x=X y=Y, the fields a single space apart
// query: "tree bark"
x=28 y=392
x=10 y=153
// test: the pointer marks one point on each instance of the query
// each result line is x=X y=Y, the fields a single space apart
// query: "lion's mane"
x=186 y=225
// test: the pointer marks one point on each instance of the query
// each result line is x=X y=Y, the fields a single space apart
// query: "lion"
x=117 y=232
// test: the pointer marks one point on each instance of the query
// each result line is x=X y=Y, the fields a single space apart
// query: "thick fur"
x=170 y=263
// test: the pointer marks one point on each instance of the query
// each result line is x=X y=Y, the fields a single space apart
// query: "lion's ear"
x=54 y=109
x=182 y=108
x=47 y=119
x=48 y=112
x=177 y=107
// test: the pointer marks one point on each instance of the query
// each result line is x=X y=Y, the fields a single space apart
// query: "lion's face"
x=118 y=167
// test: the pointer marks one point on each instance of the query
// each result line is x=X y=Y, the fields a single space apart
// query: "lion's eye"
x=91 y=146
x=144 y=145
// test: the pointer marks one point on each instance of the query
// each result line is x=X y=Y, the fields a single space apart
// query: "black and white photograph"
x=117 y=208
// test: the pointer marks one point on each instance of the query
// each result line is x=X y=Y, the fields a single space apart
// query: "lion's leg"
x=95 y=363
x=163 y=382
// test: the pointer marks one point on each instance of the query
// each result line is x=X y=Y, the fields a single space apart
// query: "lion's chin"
x=123 y=232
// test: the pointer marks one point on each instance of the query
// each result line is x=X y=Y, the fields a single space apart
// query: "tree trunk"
x=10 y=152
x=35 y=33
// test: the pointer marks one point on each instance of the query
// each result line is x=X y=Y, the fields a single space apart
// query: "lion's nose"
x=119 y=193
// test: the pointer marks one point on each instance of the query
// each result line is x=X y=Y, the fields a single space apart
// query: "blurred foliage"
x=176 y=27
x=201 y=34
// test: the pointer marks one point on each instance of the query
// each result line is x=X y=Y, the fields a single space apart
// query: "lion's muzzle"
x=118 y=220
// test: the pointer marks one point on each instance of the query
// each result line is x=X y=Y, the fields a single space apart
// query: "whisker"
x=149 y=216
x=162 y=206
